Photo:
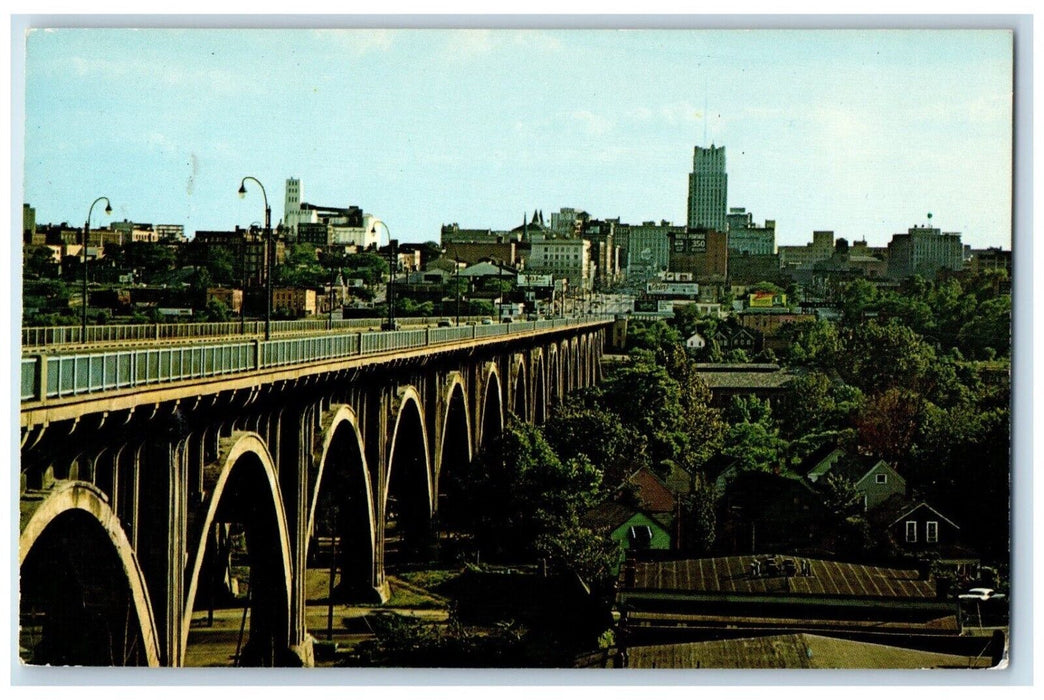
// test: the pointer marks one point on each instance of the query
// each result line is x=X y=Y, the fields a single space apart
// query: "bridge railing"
x=51 y=336
x=69 y=375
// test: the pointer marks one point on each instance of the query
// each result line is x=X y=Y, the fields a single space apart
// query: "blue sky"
x=862 y=132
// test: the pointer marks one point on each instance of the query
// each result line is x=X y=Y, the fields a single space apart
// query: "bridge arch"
x=455 y=416
x=75 y=521
x=245 y=490
x=519 y=387
x=492 y=402
x=342 y=504
x=554 y=383
x=407 y=499
x=540 y=400
x=455 y=451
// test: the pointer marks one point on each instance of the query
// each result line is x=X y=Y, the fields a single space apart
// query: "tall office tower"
x=708 y=188
x=292 y=204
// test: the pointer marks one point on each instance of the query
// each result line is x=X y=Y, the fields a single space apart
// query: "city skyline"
x=861 y=132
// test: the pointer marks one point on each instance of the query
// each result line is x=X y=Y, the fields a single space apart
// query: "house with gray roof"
x=873 y=478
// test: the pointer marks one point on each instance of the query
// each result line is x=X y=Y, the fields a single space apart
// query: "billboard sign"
x=673 y=289
x=534 y=280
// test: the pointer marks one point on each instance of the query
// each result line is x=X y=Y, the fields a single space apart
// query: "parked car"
x=981 y=594
x=445 y=323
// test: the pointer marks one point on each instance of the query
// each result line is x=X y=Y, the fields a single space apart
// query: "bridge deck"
x=64 y=386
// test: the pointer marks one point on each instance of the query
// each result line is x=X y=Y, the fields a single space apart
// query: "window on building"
x=931 y=531
x=881 y=478
x=911 y=530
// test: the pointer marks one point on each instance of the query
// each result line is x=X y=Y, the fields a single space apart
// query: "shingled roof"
x=653 y=495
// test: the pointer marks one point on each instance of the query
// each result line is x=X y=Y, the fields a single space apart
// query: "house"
x=761 y=511
x=489 y=269
x=725 y=380
x=873 y=478
x=654 y=496
x=632 y=530
x=695 y=342
x=737 y=338
x=922 y=527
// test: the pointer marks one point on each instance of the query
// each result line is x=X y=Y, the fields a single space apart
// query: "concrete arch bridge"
x=153 y=481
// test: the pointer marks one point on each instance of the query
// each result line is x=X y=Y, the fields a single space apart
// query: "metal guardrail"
x=57 y=376
x=50 y=336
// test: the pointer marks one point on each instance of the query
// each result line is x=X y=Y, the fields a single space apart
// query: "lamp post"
x=243 y=275
x=268 y=252
x=456 y=272
x=335 y=261
x=500 y=280
x=389 y=325
x=86 y=231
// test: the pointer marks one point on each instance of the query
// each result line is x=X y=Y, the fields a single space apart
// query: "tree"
x=577 y=428
x=216 y=310
x=648 y=399
x=754 y=446
x=699 y=521
x=519 y=491
x=888 y=423
x=840 y=497
x=813 y=403
x=990 y=329
x=752 y=438
x=656 y=336
x=765 y=287
x=701 y=424
x=39 y=262
x=883 y=356
x=590 y=555
x=855 y=299
x=369 y=266
x=813 y=344
x=686 y=319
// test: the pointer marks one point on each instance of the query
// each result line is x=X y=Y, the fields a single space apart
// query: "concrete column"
x=162 y=545
x=377 y=454
x=294 y=446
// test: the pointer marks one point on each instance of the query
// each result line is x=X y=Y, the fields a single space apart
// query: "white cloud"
x=357 y=41
x=463 y=44
x=640 y=114
x=681 y=113
x=594 y=124
x=538 y=40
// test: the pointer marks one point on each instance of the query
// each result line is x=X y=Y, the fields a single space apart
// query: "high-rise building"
x=700 y=251
x=568 y=258
x=923 y=250
x=794 y=257
x=292 y=214
x=568 y=221
x=648 y=250
x=746 y=237
x=708 y=189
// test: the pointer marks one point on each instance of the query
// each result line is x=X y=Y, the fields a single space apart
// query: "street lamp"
x=389 y=299
x=86 y=231
x=268 y=252
x=243 y=275
x=456 y=283
x=500 y=284
x=334 y=261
